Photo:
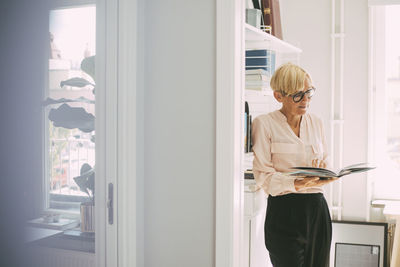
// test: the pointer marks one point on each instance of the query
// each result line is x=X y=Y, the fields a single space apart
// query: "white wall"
x=308 y=25
x=140 y=136
x=23 y=51
x=176 y=107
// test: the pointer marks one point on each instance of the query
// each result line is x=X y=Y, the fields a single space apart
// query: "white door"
x=116 y=137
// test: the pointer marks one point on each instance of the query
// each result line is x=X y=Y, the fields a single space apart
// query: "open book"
x=326 y=174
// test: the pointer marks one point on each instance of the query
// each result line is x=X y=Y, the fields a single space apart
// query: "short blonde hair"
x=289 y=79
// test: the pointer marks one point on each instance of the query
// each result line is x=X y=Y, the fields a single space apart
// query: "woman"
x=298 y=226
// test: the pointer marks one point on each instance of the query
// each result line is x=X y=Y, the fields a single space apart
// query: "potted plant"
x=86 y=184
x=70 y=117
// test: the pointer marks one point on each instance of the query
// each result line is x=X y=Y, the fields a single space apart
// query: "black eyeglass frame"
x=301 y=94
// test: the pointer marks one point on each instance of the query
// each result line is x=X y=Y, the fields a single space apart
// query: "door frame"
x=119 y=114
x=116 y=63
x=229 y=136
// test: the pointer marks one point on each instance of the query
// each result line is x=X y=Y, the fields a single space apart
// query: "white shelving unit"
x=260 y=102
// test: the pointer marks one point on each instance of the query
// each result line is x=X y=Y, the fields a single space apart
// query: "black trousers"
x=298 y=230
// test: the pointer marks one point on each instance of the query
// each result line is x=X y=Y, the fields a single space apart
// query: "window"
x=385 y=101
x=69 y=107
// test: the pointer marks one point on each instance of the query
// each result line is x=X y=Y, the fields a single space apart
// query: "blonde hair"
x=289 y=78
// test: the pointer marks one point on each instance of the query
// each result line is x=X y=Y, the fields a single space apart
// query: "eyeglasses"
x=297 y=97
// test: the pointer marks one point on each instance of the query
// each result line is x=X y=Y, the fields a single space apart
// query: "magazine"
x=326 y=174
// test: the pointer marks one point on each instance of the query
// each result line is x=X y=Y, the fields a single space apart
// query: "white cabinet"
x=255 y=203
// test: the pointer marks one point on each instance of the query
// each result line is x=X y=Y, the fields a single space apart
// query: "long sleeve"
x=271 y=181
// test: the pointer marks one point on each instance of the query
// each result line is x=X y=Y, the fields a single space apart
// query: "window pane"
x=70 y=123
x=387 y=106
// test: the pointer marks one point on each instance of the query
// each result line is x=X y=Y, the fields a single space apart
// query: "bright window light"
x=387 y=105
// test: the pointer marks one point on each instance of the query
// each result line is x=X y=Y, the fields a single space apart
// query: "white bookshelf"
x=260 y=102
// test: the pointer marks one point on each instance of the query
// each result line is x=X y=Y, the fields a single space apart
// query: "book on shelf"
x=247 y=129
x=266 y=12
x=246 y=117
x=276 y=19
x=61 y=224
x=263 y=90
x=259 y=89
x=249 y=141
x=266 y=68
x=256 y=4
x=327 y=174
x=258 y=61
x=260 y=53
x=248 y=174
x=257 y=52
x=261 y=59
x=256 y=77
x=256 y=71
x=256 y=84
x=272 y=16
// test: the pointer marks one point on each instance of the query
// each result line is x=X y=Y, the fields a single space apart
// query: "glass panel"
x=387 y=109
x=393 y=85
x=70 y=123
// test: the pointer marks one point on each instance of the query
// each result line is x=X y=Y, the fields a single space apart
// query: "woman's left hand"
x=312 y=182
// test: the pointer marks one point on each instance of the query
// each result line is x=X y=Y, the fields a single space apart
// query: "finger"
x=321 y=164
x=330 y=180
x=312 y=181
x=314 y=163
x=311 y=178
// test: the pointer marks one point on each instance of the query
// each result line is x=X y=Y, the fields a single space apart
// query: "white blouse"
x=277 y=148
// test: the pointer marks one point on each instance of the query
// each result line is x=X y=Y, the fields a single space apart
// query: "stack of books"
x=260 y=65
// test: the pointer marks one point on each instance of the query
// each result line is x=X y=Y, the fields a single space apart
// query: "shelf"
x=257 y=38
x=249 y=92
